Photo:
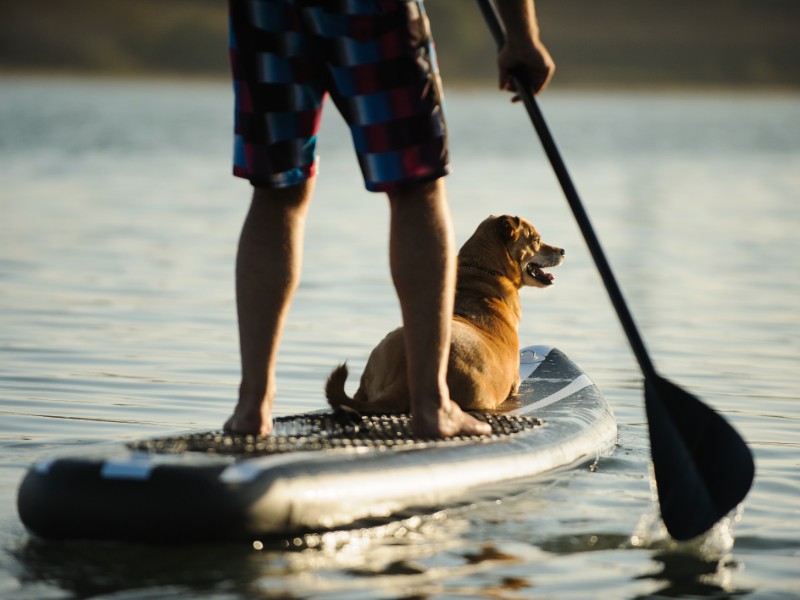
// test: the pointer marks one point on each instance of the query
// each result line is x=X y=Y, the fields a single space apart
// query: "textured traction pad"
x=328 y=431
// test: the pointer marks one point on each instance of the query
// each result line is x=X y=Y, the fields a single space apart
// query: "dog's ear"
x=508 y=228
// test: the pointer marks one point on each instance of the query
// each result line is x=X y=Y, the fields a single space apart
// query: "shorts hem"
x=277 y=181
x=391 y=186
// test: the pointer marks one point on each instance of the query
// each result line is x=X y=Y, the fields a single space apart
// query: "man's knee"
x=427 y=192
x=289 y=196
x=273 y=206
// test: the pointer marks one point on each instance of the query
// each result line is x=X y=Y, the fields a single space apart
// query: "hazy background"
x=117 y=311
x=730 y=43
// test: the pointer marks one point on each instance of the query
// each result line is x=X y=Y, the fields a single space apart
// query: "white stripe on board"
x=575 y=386
x=135 y=466
x=43 y=466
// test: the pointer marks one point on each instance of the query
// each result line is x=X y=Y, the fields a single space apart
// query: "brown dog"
x=504 y=254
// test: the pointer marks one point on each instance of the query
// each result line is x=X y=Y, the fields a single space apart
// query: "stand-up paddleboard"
x=317 y=471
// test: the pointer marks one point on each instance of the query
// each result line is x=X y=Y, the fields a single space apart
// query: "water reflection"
x=689 y=575
x=86 y=570
x=702 y=567
x=269 y=568
x=414 y=557
x=117 y=322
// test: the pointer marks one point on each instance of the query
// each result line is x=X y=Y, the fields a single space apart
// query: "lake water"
x=117 y=240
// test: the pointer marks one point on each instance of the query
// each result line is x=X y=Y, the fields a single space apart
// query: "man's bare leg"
x=423 y=262
x=268 y=266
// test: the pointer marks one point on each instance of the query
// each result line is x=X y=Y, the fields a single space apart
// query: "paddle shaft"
x=703 y=467
x=560 y=169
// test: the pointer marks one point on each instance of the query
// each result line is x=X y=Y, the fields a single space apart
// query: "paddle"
x=703 y=467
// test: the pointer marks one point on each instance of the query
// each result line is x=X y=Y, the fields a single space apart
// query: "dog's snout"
x=561 y=251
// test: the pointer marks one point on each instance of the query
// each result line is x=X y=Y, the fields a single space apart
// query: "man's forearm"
x=519 y=19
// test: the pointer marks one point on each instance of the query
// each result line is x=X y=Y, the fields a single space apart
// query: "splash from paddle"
x=703 y=467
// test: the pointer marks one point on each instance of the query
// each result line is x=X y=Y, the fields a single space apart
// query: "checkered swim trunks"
x=375 y=58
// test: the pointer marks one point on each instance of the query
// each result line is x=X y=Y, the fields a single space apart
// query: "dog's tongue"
x=537 y=273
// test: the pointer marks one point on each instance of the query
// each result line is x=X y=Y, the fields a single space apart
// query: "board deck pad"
x=328 y=431
x=318 y=471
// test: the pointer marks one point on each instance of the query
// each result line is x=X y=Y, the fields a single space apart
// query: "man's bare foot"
x=249 y=422
x=446 y=422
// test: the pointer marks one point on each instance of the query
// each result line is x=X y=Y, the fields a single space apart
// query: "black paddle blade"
x=702 y=465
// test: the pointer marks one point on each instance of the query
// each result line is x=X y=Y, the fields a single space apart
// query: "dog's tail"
x=334 y=388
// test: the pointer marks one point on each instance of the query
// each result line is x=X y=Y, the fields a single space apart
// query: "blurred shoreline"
x=613 y=44
x=455 y=85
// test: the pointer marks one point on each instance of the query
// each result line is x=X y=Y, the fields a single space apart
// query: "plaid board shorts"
x=376 y=60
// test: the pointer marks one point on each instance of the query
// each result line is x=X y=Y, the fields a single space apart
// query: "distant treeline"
x=594 y=42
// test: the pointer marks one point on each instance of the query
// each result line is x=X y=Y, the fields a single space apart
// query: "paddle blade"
x=703 y=467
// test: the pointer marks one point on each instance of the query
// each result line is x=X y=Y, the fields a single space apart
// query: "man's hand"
x=523 y=54
x=533 y=65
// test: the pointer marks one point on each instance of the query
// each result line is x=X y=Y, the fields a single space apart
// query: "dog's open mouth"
x=539 y=274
